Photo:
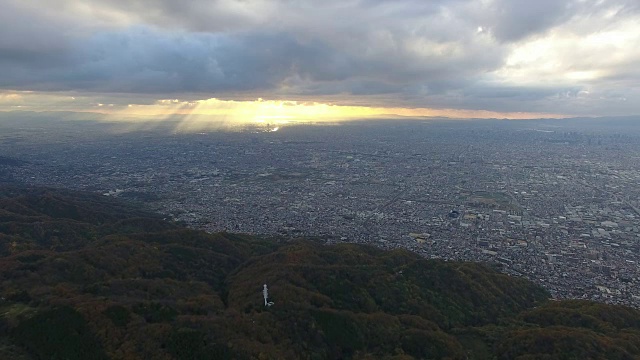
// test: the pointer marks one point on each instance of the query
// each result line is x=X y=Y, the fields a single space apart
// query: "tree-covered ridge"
x=83 y=276
x=59 y=220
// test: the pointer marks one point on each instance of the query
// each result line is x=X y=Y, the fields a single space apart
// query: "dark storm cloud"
x=443 y=53
x=517 y=19
x=148 y=61
x=241 y=46
x=153 y=61
x=30 y=37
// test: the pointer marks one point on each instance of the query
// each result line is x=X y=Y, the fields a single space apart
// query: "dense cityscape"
x=554 y=201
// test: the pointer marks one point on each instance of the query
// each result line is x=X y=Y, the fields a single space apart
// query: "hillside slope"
x=83 y=276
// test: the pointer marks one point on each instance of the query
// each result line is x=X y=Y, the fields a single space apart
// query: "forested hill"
x=86 y=277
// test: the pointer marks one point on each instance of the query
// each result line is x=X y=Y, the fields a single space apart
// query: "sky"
x=303 y=59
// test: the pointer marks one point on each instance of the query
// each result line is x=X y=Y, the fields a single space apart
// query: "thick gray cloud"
x=439 y=53
x=517 y=19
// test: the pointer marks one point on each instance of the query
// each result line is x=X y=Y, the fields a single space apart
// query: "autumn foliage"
x=86 y=277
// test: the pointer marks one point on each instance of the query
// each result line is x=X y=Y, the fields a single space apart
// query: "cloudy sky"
x=461 y=58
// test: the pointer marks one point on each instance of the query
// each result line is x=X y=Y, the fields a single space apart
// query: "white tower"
x=265 y=293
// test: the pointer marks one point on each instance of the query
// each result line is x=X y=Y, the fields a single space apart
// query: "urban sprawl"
x=555 y=203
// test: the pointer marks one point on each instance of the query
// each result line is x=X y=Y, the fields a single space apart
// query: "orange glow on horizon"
x=215 y=113
x=293 y=111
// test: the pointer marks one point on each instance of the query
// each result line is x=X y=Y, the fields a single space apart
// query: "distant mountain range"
x=86 y=277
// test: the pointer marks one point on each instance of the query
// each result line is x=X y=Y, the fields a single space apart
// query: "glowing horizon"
x=259 y=110
x=241 y=111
